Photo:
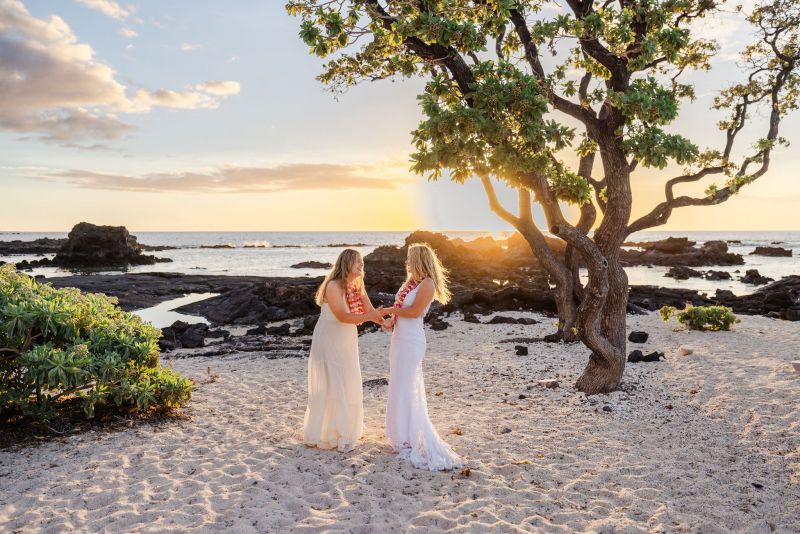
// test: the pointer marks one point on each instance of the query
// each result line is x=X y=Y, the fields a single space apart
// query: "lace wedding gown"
x=407 y=424
x=335 y=413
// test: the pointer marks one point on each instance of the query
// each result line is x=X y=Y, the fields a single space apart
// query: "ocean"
x=273 y=253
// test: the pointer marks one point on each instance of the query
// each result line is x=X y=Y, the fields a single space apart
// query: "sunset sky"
x=207 y=116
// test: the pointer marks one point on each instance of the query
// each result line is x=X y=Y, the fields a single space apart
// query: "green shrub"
x=59 y=345
x=701 y=317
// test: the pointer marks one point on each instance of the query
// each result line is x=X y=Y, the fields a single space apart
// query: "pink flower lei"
x=353 y=296
x=404 y=291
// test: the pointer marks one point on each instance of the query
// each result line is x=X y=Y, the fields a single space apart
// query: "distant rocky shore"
x=487 y=276
x=87 y=246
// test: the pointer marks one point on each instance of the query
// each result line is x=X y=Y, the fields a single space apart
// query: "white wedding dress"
x=407 y=424
x=334 y=416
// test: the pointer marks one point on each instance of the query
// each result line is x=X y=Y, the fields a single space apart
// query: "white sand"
x=643 y=467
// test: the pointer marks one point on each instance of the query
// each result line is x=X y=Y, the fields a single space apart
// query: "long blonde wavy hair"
x=423 y=263
x=345 y=264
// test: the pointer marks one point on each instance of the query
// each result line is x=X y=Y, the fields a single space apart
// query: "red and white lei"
x=353 y=296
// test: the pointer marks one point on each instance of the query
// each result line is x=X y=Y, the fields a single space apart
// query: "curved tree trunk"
x=562 y=277
x=604 y=371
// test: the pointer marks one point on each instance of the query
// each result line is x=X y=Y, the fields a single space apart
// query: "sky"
x=206 y=115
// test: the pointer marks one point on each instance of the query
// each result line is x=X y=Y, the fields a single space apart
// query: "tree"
x=496 y=108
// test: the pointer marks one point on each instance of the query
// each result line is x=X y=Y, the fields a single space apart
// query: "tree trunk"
x=567 y=311
x=607 y=302
x=562 y=278
x=603 y=373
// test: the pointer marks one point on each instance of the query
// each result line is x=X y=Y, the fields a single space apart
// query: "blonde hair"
x=344 y=265
x=423 y=263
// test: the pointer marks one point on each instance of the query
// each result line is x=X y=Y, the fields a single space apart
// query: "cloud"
x=234 y=179
x=145 y=100
x=129 y=33
x=222 y=88
x=189 y=47
x=108 y=8
x=53 y=89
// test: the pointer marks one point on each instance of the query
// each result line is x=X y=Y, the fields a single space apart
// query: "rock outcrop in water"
x=772 y=251
x=44 y=245
x=680 y=252
x=90 y=245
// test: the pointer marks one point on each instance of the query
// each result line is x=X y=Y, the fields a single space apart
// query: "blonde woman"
x=407 y=424
x=335 y=413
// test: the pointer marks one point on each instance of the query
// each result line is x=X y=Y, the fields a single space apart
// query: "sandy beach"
x=708 y=442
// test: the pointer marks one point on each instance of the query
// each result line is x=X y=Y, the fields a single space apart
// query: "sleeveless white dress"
x=408 y=427
x=334 y=416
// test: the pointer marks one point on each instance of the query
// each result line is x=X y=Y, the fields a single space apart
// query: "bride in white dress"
x=334 y=416
x=408 y=427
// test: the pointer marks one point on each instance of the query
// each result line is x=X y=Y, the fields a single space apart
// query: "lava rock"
x=89 y=245
x=752 y=276
x=500 y=319
x=438 y=324
x=312 y=265
x=194 y=336
x=682 y=273
x=637 y=356
x=471 y=318
x=521 y=350
x=638 y=336
x=772 y=251
x=376 y=382
x=260 y=330
x=282 y=330
x=717 y=275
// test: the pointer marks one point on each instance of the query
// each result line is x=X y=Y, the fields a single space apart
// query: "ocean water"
x=273 y=253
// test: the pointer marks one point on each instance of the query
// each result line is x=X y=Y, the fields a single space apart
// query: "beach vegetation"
x=61 y=347
x=701 y=317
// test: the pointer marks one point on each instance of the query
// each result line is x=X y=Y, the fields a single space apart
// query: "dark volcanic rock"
x=194 y=336
x=521 y=350
x=637 y=356
x=772 y=251
x=652 y=298
x=471 y=318
x=89 y=245
x=680 y=272
x=312 y=265
x=638 y=337
x=183 y=335
x=275 y=300
x=670 y=245
x=375 y=382
x=260 y=330
x=781 y=298
x=499 y=319
x=282 y=330
x=752 y=276
x=680 y=252
x=717 y=275
x=438 y=324
x=45 y=245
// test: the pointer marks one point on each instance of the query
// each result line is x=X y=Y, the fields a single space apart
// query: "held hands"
x=377 y=315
